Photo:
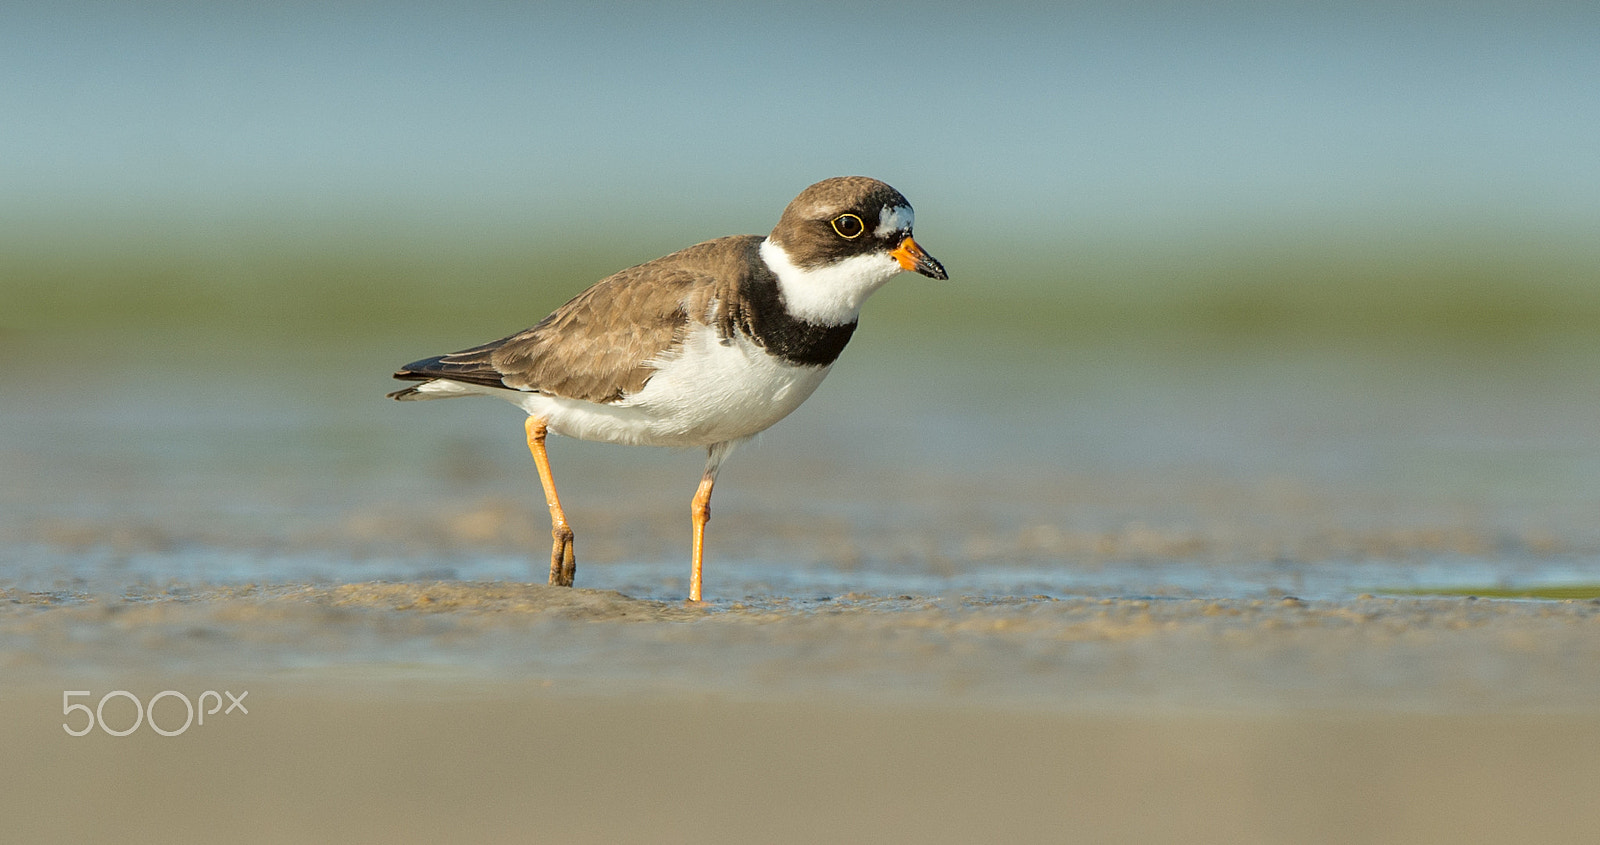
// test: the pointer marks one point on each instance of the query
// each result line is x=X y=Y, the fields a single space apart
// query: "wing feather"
x=603 y=344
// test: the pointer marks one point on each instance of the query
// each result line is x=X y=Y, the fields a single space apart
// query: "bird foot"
x=563 y=560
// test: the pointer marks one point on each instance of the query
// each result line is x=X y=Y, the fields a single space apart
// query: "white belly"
x=707 y=393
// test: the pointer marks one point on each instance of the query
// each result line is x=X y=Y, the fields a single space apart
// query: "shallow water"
x=1119 y=469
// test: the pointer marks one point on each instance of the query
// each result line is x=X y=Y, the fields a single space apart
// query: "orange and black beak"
x=911 y=257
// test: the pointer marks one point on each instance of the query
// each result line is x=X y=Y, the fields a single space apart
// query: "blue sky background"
x=1006 y=123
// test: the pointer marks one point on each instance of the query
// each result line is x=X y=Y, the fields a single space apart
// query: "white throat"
x=831 y=295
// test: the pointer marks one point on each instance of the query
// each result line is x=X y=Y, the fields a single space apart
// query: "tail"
x=469 y=367
x=407 y=394
x=417 y=371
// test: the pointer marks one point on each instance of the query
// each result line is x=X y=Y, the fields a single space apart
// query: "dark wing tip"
x=422 y=370
x=471 y=367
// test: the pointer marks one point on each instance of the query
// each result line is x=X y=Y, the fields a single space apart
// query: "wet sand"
x=1448 y=655
x=423 y=711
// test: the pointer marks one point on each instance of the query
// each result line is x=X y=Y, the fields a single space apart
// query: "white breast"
x=703 y=393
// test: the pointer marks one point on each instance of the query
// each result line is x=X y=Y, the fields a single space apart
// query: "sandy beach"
x=411 y=712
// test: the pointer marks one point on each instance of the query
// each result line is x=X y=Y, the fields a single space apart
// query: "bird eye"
x=848 y=226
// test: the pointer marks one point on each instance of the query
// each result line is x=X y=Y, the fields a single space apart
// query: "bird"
x=705 y=347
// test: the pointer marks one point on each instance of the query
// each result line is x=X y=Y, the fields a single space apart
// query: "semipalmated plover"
x=704 y=347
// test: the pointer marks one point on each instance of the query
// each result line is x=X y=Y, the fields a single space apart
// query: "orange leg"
x=563 y=563
x=700 y=512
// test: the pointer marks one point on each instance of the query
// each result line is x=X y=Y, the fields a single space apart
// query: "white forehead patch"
x=894 y=219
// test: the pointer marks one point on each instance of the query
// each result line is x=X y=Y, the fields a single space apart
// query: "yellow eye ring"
x=849 y=226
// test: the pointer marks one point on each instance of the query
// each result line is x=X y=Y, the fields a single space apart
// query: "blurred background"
x=1406 y=167
x=1349 y=249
